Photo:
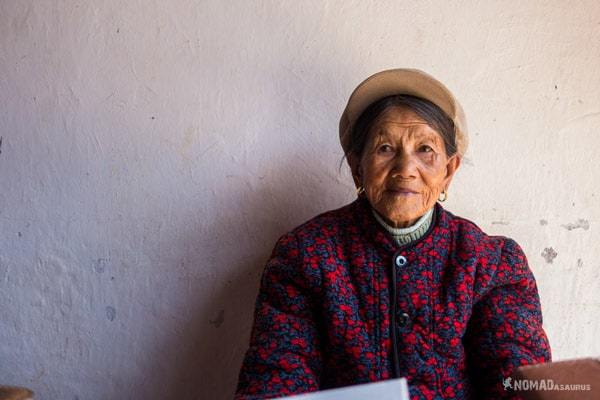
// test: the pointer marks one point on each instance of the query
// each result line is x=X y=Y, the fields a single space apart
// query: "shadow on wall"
x=209 y=349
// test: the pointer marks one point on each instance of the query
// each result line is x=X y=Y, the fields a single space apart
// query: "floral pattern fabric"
x=467 y=310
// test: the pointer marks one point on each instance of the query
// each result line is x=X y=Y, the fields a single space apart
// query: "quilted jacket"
x=467 y=310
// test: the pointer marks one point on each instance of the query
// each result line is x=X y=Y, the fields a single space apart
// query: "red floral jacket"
x=466 y=310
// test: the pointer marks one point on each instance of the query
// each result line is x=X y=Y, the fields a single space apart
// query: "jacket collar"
x=381 y=237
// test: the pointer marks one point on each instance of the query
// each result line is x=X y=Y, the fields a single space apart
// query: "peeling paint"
x=100 y=265
x=3 y=270
x=543 y=222
x=111 y=313
x=549 y=254
x=580 y=223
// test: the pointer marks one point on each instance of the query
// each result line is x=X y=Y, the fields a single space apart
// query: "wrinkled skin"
x=404 y=166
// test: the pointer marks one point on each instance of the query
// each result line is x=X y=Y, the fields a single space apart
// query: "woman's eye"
x=384 y=148
x=425 y=148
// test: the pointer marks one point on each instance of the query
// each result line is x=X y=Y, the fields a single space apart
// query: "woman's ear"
x=355 y=168
x=451 y=167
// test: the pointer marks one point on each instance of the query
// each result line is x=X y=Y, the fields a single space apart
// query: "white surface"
x=393 y=389
x=153 y=151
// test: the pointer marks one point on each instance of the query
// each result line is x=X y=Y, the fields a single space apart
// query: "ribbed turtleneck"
x=411 y=233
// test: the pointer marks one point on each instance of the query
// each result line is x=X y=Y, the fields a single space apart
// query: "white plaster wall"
x=153 y=151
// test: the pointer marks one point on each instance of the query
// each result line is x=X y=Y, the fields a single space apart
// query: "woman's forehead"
x=408 y=129
x=401 y=120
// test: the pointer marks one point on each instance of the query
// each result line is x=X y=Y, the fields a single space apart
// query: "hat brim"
x=402 y=81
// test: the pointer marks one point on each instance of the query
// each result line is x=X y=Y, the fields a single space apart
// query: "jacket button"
x=403 y=319
x=400 y=261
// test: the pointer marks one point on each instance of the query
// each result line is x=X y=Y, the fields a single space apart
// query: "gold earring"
x=445 y=196
x=360 y=190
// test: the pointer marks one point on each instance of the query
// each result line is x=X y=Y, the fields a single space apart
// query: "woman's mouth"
x=402 y=192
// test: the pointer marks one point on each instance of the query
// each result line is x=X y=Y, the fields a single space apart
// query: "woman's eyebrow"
x=382 y=133
x=428 y=135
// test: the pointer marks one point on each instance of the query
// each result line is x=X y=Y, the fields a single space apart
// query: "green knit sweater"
x=413 y=232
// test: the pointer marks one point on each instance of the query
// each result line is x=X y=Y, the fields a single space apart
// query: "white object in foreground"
x=392 y=389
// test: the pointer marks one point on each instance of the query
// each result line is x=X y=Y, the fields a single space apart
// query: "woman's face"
x=404 y=166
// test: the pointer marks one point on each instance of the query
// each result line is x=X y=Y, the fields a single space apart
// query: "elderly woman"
x=392 y=284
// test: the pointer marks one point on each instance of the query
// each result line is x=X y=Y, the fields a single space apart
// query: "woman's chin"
x=404 y=206
x=402 y=217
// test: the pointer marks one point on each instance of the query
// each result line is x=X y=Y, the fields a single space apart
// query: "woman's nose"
x=404 y=166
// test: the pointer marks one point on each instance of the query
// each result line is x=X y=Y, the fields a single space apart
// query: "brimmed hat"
x=403 y=81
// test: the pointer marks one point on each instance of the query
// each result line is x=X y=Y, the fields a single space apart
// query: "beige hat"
x=403 y=81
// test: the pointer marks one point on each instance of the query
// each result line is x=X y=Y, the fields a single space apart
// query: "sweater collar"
x=374 y=231
x=408 y=234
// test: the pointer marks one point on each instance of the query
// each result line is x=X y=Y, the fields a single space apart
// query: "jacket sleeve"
x=283 y=357
x=505 y=329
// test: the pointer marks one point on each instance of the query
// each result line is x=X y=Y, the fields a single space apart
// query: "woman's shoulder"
x=469 y=235
x=499 y=260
